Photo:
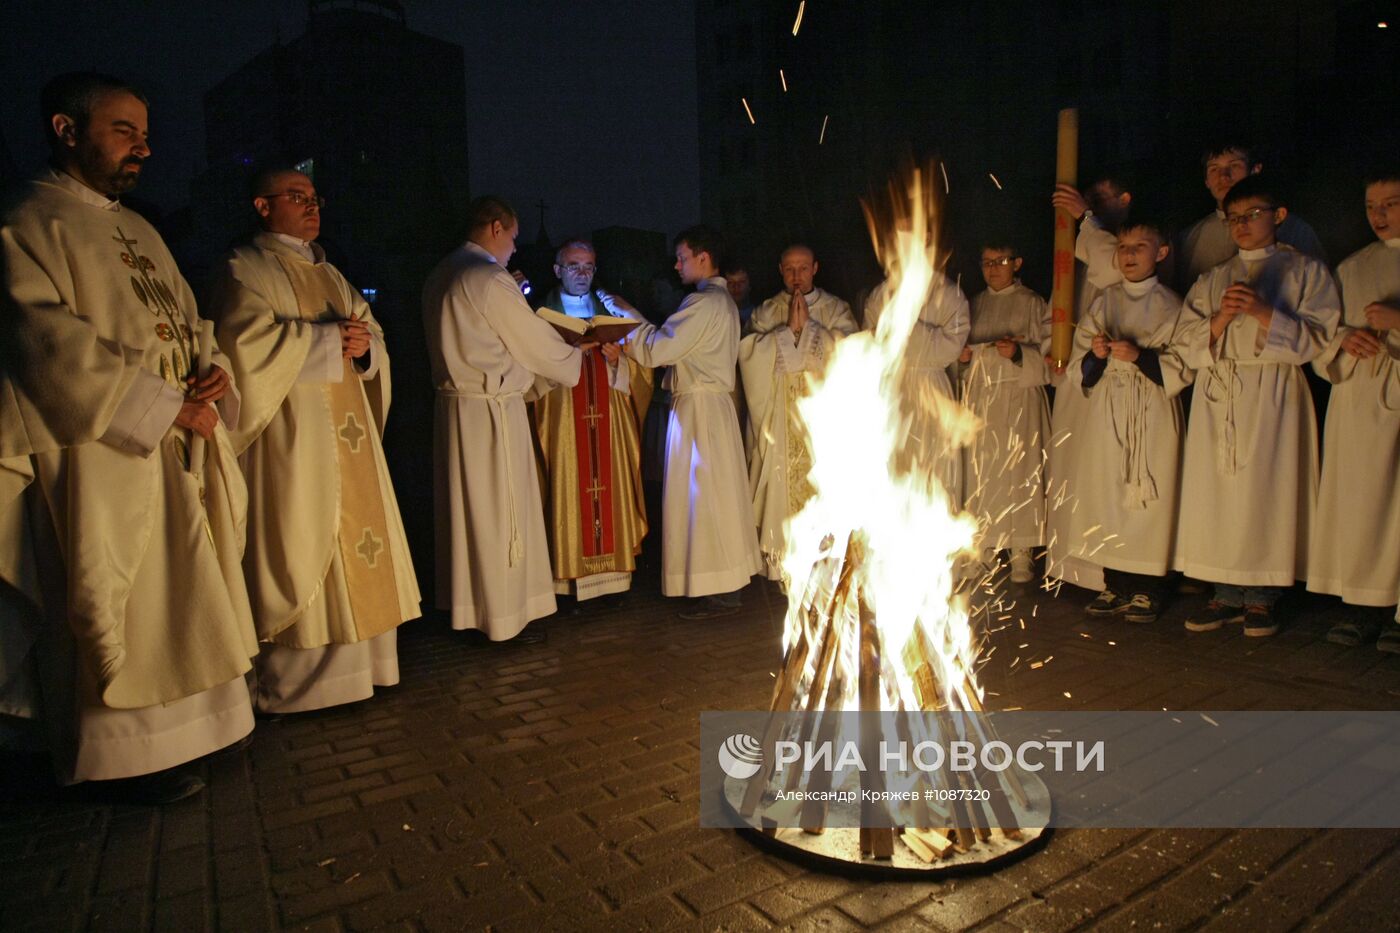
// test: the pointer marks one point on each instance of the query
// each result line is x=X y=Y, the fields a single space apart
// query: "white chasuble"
x=1129 y=441
x=487 y=348
x=1004 y=465
x=136 y=559
x=1355 y=549
x=327 y=561
x=1250 y=470
x=707 y=532
x=775 y=367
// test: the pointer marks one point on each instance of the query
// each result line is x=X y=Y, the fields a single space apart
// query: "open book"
x=601 y=328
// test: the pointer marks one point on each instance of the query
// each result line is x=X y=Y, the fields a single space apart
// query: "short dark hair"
x=1001 y=243
x=573 y=242
x=76 y=93
x=1226 y=146
x=262 y=179
x=1382 y=173
x=1253 y=186
x=1146 y=221
x=703 y=239
x=486 y=210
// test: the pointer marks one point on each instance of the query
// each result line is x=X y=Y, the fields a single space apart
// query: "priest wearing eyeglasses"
x=591 y=448
x=327 y=562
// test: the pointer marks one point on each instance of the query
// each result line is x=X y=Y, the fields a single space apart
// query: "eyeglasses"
x=999 y=261
x=1248 y=217
x=299 y=199
x=588 y=267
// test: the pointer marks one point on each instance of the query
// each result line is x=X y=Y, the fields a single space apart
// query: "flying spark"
x=748 y=110
x=822 y=138
x=801 y=8
x=993 y=177
x=783 y=78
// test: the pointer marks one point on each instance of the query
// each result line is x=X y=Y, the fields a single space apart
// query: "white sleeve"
x=323 y=360
x=144 y=414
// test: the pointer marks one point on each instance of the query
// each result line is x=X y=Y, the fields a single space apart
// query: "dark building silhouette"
x=376 y=114
x=862 y=86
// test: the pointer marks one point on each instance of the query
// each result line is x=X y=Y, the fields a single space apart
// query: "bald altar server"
x=709 y=548
x=793 y=334
x=934 y=346
x=327 y=563
x=591 y=445
x=146 y=629
x=1355 y=549
x=1003 y=375
x=487 y=350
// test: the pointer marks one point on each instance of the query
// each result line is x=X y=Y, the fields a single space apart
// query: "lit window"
x=371 y=294
x=308 y=168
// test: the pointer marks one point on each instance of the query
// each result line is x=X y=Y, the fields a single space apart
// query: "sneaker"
x=1141 y=608
x=1213 y=616
x=1021 y=565
x=1389 y=642
x=1259 y=622
x=1107 y=603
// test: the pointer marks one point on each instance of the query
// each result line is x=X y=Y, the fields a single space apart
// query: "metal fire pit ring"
x=837 y=849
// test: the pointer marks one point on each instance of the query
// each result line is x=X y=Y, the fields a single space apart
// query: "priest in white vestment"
x=488 y=351
x=1127 y=367
x=1250 y=472
x=1002 y=377
x=590 y=446
x=1207 y=243
x=933 y=349
x=708 y=544
x=131 y=552
x=1355 y=549
x=791 y=337
x=327 y=563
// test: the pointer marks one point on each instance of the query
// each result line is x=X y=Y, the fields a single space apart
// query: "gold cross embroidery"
x=369 y=547
x=593 y=415
x=352 y=433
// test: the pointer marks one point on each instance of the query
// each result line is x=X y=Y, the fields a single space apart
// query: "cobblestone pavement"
x=554 y=786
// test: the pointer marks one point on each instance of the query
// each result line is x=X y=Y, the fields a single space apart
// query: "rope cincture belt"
x=515 y=551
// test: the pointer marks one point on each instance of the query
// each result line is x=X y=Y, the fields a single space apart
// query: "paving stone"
x=586 y=819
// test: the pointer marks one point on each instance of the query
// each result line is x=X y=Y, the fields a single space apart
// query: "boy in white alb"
x=1127 y=366
x=1003 y=374
x=1249 y=477
x=1355 y=549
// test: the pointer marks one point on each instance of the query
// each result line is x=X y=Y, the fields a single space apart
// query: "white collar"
x=1138 y=289
x=1393 y=242
x=83 y=192
x=475 y=247
x=1220 y=213
x=303 y=247
x=1254 y=255
x=1004 y=291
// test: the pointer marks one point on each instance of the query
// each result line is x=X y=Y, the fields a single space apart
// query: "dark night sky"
x=589 y=106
